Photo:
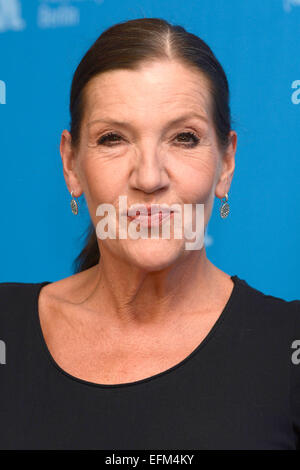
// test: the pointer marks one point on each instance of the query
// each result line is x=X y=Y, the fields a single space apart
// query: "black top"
x=239 y=389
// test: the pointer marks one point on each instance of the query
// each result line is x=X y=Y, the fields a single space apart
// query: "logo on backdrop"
x=288 y=4
x=50 y=14
x=208 y=239
x=2 y=92
x=10 y=16
x=62 y=14
x=296 y=94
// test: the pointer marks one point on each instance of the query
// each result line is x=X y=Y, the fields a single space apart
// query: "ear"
x=68 y=157
x=227 y=165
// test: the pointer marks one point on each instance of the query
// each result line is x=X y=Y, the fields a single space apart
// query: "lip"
x=151 y=220
x=151 y=210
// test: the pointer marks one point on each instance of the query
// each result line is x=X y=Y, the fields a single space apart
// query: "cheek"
x=196 y=180
x=103 y=180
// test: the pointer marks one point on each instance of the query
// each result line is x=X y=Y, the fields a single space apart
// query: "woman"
x=149 y=346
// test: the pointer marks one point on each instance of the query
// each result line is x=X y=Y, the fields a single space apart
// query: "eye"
x=113 y=137
x=109 y=137
x=188 y=135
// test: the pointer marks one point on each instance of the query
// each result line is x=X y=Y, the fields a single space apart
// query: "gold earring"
x=74 y=205
x=224 y=209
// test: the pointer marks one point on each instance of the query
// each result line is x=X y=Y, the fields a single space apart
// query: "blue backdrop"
x=256 y=41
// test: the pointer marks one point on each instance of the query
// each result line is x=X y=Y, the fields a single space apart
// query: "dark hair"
x=127 y=45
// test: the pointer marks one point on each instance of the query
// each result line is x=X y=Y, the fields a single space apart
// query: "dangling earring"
x=224 y=209
x=74 y=205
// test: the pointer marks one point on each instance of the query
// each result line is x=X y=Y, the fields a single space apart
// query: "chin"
x=154 y=255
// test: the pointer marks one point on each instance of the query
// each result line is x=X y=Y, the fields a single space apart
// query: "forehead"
x=159 y=87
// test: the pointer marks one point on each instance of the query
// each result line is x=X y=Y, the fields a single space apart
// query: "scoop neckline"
x=225 y=312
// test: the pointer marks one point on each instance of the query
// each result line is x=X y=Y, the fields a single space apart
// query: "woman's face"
x=149 y=156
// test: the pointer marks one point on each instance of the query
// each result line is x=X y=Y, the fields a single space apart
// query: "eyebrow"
x=178 y=120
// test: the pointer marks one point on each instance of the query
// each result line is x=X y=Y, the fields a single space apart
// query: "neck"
x=129 y=296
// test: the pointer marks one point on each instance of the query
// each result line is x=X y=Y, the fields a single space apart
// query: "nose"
x=149 y=173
